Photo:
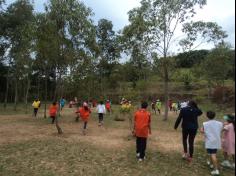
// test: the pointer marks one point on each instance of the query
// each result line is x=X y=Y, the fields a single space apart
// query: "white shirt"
x=101 y=109
x=212 y=130
x=184 y=105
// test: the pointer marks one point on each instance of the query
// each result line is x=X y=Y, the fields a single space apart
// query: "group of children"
x=189 y=113
x=213 y=129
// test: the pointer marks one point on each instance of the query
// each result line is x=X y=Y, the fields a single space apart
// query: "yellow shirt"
x=36 y=104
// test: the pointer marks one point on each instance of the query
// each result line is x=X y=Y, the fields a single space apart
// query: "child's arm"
x=178 y=120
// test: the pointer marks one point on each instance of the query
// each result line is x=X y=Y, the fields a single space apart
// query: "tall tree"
x=159 y=21
x=108 y=49
x=19 y=17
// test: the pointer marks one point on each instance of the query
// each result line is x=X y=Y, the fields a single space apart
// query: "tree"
x=159 y=20
x=219 y=62
x=18 y=20
x=108 y=50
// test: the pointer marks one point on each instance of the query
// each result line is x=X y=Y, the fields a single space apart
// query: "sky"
x=220 y=11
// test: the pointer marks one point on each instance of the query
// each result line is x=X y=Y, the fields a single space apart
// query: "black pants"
x=188 y=139
x=100 y=117
x=141 y=144
x=53 y=119
x=35 y=111
x=85 y=125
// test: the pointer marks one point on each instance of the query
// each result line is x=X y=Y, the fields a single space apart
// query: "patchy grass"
x=30 y=146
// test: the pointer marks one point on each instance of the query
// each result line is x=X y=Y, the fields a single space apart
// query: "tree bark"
x=16 y=94
x=27 y=94
x=7 y=89
x=166 y=87
x=46 y=95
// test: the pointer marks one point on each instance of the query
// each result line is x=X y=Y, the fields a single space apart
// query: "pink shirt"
x=228 y=142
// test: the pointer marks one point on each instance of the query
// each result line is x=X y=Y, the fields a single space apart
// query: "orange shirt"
x=84 y=114
x=142 y=122
x=53 y=110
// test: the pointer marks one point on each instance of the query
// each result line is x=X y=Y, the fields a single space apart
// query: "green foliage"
x=191 y=58
x=185 y=76
x=217 y=65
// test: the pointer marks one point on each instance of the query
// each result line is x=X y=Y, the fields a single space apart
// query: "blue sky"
x=220 y=11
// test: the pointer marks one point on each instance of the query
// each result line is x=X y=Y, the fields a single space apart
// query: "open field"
x=30 y=146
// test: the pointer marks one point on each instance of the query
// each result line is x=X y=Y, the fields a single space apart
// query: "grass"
x=31 y=146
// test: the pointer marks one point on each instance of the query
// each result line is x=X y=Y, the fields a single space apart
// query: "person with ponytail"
x=84 y=113
x=228 y=141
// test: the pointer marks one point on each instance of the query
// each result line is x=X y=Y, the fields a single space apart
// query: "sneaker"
x=210 y=165
x=226 y=163
x=215 y=172
x=137 y=155
x=233 y=166
x=190 y=159
x=140 y=160
x=185 y=156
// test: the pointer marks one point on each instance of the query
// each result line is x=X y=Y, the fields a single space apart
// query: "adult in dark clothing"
x=189 y=117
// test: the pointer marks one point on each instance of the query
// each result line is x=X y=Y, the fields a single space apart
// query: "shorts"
x=212 y=151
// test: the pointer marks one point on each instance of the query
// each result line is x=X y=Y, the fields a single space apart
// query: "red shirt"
x=84 y=114
x=108 y=106
x=53 y=110
x=142 y=122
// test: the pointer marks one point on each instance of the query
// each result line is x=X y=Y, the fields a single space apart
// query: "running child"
x=142 y=127
x=108 y=106
x=53 y=111
x=62 y=103
x=212 y=130
x=36 y=105
x=101 y=110
x=228 y=141
x=159 y=104
x=84 y=113
x=154 y=107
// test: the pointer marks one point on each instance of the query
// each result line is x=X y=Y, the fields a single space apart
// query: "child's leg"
x=226 y=156
x=138 y=146
x=191 y=139
x=85 y=125
x=214 y=161
x=143 y=147
x=53 y=119
x=185 y=137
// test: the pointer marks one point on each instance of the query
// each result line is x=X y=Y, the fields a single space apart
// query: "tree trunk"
x=38 y=86
x=46 y=95
x=166 y=87
x=27 y=94
x=7 y=89
x=16 y=94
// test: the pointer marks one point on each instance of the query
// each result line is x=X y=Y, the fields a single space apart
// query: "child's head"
x=211 y=115
x=229 y=118
x=54 y=103
x=101 y=102
x=144 y=105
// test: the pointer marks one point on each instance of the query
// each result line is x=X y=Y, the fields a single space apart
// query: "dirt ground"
x=114 y=137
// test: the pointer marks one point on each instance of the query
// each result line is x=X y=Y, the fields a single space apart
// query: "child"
x=159 y=104
x=36 y=105
x=142 y=126
x=212 y=130
x=154 y=107
x=84 y=113
x=101 y=110
x=228 y=142
x=62 y=103
x=108 y=106
x=53 y=111
x=175 y=107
